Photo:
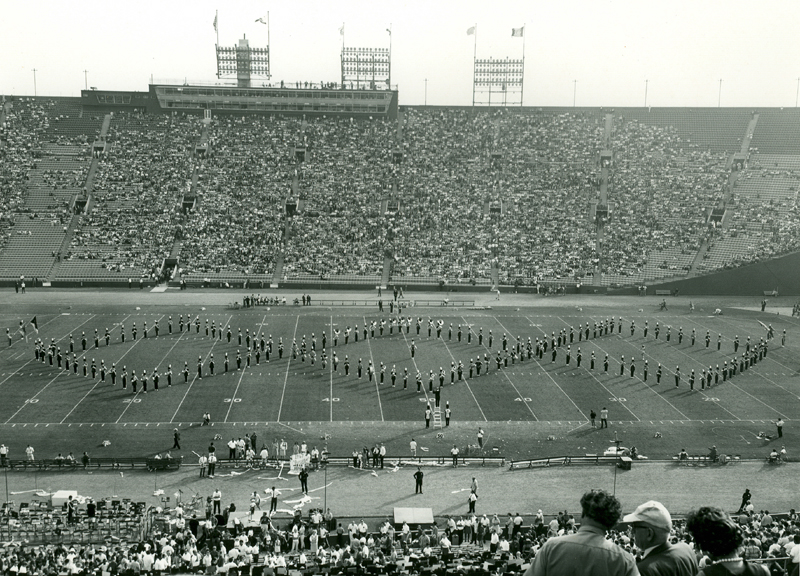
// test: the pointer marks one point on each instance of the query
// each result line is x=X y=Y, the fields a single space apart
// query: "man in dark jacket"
x=651 y=524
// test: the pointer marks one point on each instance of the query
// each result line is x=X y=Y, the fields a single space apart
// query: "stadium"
x=325 y=290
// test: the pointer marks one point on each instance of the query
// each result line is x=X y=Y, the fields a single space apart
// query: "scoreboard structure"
x=498 y=82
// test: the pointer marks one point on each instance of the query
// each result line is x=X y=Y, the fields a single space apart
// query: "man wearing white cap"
x=650 y=526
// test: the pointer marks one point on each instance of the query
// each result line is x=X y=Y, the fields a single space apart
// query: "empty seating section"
x=34 y=240
x=38 y=522
x=763 y=217
x=715 y=129
x=139 y=186
x=777 y=132
x=41 y=173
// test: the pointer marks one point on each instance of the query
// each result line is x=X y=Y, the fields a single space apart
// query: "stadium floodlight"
x=498 y=82
x=243 y=62
x=366 y=68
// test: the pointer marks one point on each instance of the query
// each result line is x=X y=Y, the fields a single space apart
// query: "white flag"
x=517 y=32
x=471 y=31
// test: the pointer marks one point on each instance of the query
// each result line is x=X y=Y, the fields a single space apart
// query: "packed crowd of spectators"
x=237 y=224
x=139 y=186
x=502 y=188
x=222 y=541
x=341 y=229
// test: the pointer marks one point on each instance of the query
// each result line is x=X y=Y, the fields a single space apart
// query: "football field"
x=526 y=398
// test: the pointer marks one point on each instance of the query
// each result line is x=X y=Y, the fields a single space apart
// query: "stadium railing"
x=562 y=461
x=147 y=463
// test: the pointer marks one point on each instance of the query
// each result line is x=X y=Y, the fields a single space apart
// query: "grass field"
x=520 y=405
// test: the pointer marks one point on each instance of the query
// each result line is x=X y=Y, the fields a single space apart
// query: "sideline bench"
x=663 y=292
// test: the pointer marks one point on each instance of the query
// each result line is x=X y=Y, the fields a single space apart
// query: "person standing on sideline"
x=216 y=497
x=176 y=435
x=418 y=476
x=593 y=417
x=212 y=464
x=454 y=453
x=413 y=446
x=572 y=554
x=604 y=417
x=471 y=499
x=779 y=426
x=273 y=503
x=745 y=500
x=428 y=416
x=480 y=438
x=303 y=476
x=650 y=525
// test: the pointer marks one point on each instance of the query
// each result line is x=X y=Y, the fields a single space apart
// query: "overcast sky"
x=682 y=48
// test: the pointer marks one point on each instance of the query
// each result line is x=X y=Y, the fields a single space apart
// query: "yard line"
x=595 y=378
x=548 y=373
x=46 y=385
x=414 y=361
x=520 y=394
x=768 y=358
x=288 y=364
x=372 y=360
x=330 y=395
x=29 y=361
x=646 y=386
x=189 y=388
x=466 y=381
x=233 y=398
x=96 y=384
x=702 y=392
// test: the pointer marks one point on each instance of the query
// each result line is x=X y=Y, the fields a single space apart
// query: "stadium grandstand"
x=111 y=187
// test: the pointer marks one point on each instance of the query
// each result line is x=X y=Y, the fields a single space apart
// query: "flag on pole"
x=341 y=30
x=215 y=22
x=263 y=20
x=517 y=32
x=471 y=31
x=389 y=30
x=24 y=328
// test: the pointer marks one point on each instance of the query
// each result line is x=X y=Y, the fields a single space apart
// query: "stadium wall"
x=781 y=274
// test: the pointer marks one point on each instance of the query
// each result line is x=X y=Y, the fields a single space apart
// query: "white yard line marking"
x=238 y=384
x=189 y=388
x=519 y=394
x=646 y=386
x=288 y=364
x=375 y=369
x=466 y=381
x=96 y=384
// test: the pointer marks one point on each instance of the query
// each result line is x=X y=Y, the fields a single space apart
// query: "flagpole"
x=474 y=57
x=390 y=56
x=216 y=27
x=522 y=86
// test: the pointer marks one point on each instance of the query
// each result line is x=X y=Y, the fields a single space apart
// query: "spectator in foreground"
x=650 y=525
x=719 y=537
x=587 y=552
